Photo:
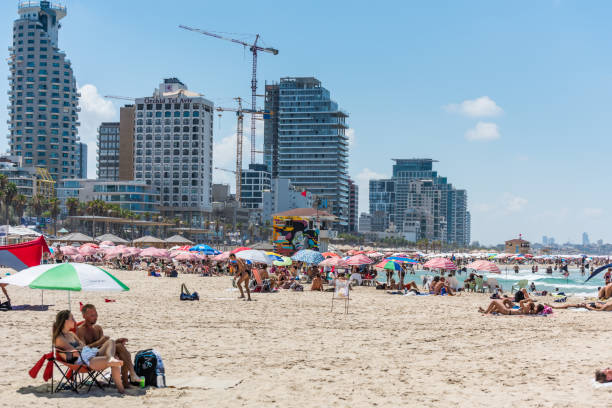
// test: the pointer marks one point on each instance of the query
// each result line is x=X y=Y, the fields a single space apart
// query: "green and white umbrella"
x=67 y=276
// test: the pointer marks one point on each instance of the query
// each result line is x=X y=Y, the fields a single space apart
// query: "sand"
x=288 y=350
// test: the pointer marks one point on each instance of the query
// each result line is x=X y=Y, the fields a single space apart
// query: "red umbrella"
x=440 y=263
x=336 y=262
x=359 y=259
x=240 y=249
x=484 y=266
x=330 y=255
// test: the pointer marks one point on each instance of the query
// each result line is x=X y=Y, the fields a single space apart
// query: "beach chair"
x=75 y=376
x=260 y=285
x=341 y=292
x=479 y=282
x=522 y=284
x=492 y=283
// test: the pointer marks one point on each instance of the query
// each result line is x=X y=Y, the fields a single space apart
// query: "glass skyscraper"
x=421 y=204
x=306 y=142
x=43 y=110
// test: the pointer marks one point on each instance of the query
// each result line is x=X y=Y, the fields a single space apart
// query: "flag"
x=303 y=193
x=24 y=255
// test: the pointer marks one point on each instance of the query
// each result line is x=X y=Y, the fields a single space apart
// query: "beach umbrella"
x=235 y=251
x=69 y=250
x=221 y=257
x=402 y=259
x=374 y=254
x=440 y=263
x=204 y=249
x=72 y=277
x=330 y=255
x=254 y=256
x=89 y=244
x=308 y=256
x=185 y=256
x=286 y=261
x=88 y=250
x=335 y=262
x=359 y=259
x=484 y=266
x=107 y=244
x=390 y=265
x=181 y=248
x=274 y=256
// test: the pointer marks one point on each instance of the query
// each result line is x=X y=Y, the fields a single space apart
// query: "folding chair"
x=74 y=376
x=263 y=285
x=341 y=292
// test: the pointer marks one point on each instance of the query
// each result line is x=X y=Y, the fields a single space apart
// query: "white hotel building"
x=173 y=139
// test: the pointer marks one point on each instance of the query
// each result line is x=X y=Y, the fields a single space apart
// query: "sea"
x=572 y=285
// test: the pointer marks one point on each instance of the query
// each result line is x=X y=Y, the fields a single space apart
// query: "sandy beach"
x=288 y=350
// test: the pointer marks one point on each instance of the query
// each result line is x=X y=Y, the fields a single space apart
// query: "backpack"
x=185 y=295
x=148 y=364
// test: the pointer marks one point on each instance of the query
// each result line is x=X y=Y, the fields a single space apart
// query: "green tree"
x=19 y=204
x=8 y=195
x=54 y=211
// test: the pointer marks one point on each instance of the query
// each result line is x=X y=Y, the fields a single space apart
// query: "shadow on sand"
x=44 y=391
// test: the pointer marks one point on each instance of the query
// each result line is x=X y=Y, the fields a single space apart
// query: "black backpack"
x=145 y=365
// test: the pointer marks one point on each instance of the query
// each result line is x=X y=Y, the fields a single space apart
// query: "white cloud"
x=363 y=181
x=593 y=212
x=350 y=135
x=476 y=108
x=482 y=207
x=94 y=110
x=483 y=131
x=512 y=203
x=224 y=151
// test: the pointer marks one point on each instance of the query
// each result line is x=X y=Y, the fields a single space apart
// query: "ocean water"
x=573 y=284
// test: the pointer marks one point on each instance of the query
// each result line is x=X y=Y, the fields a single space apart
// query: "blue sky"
x=512 y=98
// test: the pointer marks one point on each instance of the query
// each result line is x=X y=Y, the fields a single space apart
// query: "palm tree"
x=19 y=204
x=37 y=205
x=72 y=204
x=9 y=193
x=54 y=211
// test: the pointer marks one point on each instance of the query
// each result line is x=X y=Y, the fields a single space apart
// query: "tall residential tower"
x=306 y=142
x=43 y=110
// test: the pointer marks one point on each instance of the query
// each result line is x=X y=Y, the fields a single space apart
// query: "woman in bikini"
x=75 y=351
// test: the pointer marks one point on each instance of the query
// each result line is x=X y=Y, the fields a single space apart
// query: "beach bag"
x=185 y=295
x=148 y=364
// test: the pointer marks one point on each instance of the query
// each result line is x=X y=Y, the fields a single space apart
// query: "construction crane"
x=240 y=111
x=254 y=48
x=125 y=98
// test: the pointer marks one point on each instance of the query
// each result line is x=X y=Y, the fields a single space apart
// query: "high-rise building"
x=173 y=140
x=419 y=203
x=43 y=110
x=283 y=196
x=544 y=240
x=306 y=142
x=108 y=151
x=126 y=142
x=255 y=181
x=82 y=169
x=353 y=206
x=585 y=239
x=365 y=220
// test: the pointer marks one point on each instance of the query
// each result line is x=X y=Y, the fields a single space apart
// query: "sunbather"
x=595 y=306
x=500 y=306
x=93 y=336
x=75 y=351
x=605 y=292
x=317 y=283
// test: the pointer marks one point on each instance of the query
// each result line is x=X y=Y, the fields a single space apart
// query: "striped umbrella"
x=440 y=263
x=484 y=266
x=360 y=259
x=402 y=259
x=390 y=265
x=335 y=262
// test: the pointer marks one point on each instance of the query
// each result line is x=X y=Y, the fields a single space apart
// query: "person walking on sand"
x=242 y=274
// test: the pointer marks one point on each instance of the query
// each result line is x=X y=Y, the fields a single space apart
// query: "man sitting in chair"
x=93 y=336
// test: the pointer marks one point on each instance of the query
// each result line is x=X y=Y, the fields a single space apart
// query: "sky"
x=512 y=98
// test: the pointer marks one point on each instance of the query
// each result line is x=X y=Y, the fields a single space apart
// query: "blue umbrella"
x=205 y=249
x=308 y=256
x=596 y=271
x=400 y=259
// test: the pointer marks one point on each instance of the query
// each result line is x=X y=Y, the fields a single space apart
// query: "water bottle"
x=161 y=381
x=142 y=382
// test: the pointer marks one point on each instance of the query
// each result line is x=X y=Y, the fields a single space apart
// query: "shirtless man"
x=242 y=274
x=93 y=336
